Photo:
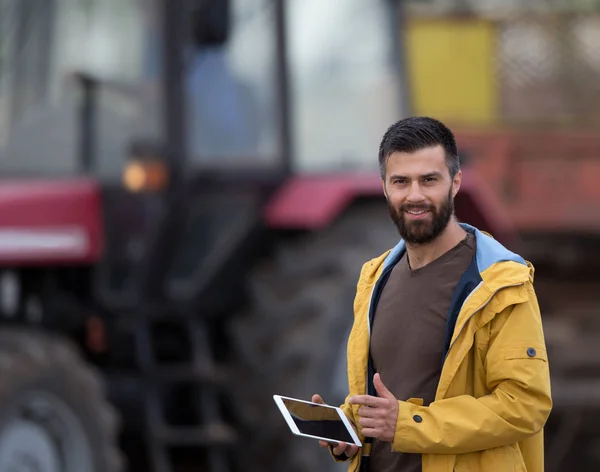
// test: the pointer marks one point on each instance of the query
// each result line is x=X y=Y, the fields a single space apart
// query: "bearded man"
x=447 y=363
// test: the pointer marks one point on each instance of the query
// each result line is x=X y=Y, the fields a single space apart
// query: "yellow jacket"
x=493 y=397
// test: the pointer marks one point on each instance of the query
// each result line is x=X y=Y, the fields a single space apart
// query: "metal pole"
x=162 y=238
x=398 y=25
x=283 y=89
x=17 y=60
x=174 y=39
x=87 y=120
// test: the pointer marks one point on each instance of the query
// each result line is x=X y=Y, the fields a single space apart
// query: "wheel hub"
x=27 y=447
x=43 y=434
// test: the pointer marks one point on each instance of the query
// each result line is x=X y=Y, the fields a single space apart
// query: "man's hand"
x=349 y=449
x=378 y=415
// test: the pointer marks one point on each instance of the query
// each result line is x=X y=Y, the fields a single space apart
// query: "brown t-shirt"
x=408 y=335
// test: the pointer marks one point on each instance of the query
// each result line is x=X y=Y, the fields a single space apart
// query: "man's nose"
x=415 y=195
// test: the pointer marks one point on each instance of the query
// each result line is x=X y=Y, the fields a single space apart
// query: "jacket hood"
x=489 y=254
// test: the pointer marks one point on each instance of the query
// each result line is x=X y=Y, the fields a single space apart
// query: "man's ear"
x=456 y=181
x=383 y=187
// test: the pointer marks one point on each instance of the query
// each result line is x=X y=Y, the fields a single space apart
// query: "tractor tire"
x=53 y=412
x=292 y=340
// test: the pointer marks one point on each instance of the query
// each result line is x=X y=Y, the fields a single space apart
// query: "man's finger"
x=339 y=449
x=323 y=443
x=317 y=399
x=351 y=450
x=382 y=390
x=370 y=432
x=368 y=412
x=368 y=422
x=367 y=400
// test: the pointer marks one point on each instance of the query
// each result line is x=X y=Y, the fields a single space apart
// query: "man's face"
x=420 y=193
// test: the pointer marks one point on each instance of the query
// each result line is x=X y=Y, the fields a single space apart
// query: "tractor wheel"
x=292 y=340
x=53 y=414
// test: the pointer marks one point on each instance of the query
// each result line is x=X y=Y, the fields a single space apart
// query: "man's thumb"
x=381 y=388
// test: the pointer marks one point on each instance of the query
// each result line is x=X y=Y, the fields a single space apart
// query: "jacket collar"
x=489 y=254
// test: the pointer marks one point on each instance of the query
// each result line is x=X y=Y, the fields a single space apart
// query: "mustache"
x=416 y=207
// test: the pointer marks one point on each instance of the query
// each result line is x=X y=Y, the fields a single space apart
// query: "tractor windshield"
x=231 y=91
x=232 y=94
x=340 y=62
x=346 y=81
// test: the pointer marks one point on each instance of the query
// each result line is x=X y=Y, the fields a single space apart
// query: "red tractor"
x=157 y=285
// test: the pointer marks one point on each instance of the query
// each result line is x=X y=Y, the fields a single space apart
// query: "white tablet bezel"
x=290 y=421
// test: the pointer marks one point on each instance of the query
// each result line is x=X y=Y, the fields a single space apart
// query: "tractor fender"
x=50 y=221
x=313 y=202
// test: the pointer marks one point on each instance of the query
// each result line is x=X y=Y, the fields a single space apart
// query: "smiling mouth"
x=416 y=212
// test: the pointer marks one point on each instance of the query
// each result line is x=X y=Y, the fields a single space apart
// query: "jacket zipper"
x=483 y=305
x=374 y=300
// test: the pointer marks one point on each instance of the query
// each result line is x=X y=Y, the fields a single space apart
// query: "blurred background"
x=188 y=190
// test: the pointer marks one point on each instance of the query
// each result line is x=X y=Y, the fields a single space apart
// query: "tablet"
x=314 y=420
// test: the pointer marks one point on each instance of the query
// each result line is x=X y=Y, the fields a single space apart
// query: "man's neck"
x=419 y=255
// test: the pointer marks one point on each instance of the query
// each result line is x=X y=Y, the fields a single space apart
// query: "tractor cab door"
x=285 y=93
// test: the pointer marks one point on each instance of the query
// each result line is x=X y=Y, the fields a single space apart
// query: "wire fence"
x=546 y=55
x=548 y=67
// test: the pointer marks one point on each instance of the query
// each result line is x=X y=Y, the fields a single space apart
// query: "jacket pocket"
x=526 y=364
x=526 y=352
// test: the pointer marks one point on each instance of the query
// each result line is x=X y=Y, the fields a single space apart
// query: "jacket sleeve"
x=518 y=405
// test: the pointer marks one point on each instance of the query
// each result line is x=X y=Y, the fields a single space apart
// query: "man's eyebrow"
x=431 y=174
x=428 y=175
x=397 y=176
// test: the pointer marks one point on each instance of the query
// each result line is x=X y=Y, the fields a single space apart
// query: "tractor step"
x=208 y=432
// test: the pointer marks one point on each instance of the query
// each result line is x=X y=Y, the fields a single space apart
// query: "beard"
x=426 y=230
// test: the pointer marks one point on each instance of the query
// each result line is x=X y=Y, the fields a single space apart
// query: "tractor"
x=166 y=266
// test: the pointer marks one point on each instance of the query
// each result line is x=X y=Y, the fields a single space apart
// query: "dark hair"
x=416 y=133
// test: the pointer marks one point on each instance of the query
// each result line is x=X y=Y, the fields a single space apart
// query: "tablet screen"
x=318 y=420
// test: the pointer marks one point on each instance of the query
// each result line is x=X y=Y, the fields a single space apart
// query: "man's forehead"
x=423 y=161
x=435 y=153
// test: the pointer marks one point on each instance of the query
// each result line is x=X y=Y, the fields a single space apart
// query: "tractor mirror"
x=210 y=22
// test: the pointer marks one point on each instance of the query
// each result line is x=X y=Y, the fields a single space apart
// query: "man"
x=447 y=363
